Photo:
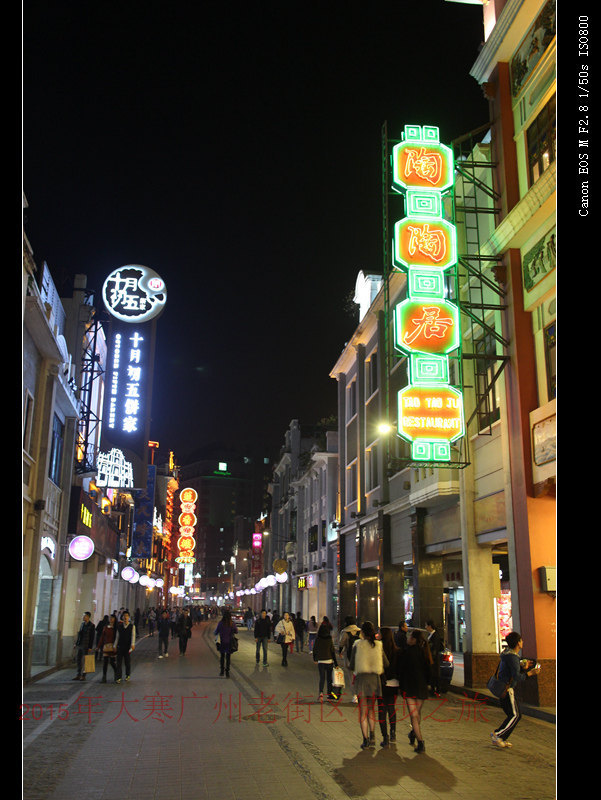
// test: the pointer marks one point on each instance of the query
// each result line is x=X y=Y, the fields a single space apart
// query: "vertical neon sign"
x=426 y=324
x=187 y=522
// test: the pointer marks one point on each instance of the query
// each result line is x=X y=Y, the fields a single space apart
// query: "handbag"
x=89 y=664
x=338 y=677
x=234 y=644
x=495 y=686
x=280 y=639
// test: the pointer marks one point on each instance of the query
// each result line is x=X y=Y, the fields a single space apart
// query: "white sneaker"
x=160 y=656
x=166 y=655
x=355 y=699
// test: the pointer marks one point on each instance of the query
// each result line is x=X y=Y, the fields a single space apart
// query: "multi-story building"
x=50 y=414
x=470 y=544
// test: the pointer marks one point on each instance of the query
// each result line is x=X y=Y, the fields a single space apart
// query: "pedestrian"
x=152 y=621
x=84 y=644
x=226 y=629
x=325 y=657
x=390 y=686
x=400 y=637
x=368 y=663
x=184 y=630
x=312 y=632
x=284 y=631
x=299 y=631
x=436 y=645
x=511 y=671
x=99 y=628
x=416 y=663
x=125 y=644
x=173 y=617
x=249 y=617
x=348 y=636
x=106 y=646
x=163 y=630
x=137 y=621
x=275 y=618
x=262 y=635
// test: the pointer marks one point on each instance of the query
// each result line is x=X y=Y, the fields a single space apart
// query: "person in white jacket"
x=285 y=628
x=368 y=663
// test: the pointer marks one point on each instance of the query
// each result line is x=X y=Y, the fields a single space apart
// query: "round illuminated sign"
x=134 y=293
x=127 y=573
x=81 y=548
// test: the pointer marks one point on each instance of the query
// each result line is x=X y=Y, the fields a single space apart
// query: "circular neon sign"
x=81 y=548
x=134 y=293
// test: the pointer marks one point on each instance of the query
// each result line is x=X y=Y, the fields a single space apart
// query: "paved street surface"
x=178 y=731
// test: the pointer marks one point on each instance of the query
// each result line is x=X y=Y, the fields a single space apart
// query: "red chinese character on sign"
x=429 y=325
x=429 y=243
x=427 y=166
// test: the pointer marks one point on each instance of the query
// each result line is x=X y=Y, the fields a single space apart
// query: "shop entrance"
x=454 y=603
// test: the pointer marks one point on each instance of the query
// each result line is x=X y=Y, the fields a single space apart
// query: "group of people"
x=113 y=640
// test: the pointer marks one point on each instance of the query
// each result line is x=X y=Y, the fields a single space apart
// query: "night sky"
x=236 y=150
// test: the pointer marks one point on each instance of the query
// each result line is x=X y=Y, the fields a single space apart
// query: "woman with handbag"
x=106 y=646
x=368 y=662
x=226 y=630
x=325 y=657
x=511 y=673
x=284 y=635
x=390 y=686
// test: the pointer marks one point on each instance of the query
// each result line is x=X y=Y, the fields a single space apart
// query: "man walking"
x=84 y=644
x=164 y=628
x=262 y=634
x=125 y=645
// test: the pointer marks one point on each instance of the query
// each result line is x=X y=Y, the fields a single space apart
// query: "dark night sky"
x=236 y=150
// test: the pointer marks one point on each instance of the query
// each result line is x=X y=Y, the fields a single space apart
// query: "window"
x=56 y=451
x=27 y=422
x=540 y=137
x=549 y=334
x=351 y=400
x=371 y=467
x=351 y=483
x=371 y=374
x=487 y=392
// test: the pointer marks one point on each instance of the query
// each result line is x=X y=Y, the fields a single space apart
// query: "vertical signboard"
x=134 y=296
x=141 y=545
x=426 y=324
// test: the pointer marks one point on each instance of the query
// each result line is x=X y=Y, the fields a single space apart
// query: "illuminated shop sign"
x=134 y=296
x=426 y=324
x=187 y=523
x=257 y=541
x=114 y=471
x=134 y=293
x=305 y=582
x=81 y=548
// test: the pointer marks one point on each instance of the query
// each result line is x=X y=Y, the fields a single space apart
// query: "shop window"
x=549 y=339
x=56 y=451
x=351 y=483
x=371 y=468
x=540 y=138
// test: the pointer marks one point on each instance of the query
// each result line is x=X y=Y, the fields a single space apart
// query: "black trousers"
x=225 y=662
x=123 y=655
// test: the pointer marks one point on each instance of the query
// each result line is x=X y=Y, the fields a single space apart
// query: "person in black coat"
x=436 y=645
x=325 y=657
x=416 y=662
x=125 y=644
x=84 y=644
x=184 y=630
x=262 y=635
x=390 y=686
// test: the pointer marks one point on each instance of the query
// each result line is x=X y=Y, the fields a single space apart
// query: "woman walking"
x=416 y=663
x=226 y=629
x=368 y=663
x=511 y=672
x=284 y=635
x=390 y=686
x=106 y=646
x=325 y=656
x=312 y=631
